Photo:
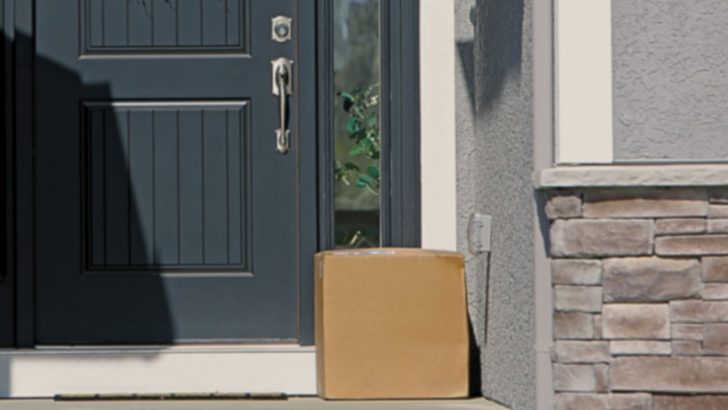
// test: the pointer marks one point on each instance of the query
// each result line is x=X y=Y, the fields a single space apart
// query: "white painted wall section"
x=583 y=81
x=437 y=93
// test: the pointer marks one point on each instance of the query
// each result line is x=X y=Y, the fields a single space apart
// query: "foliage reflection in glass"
x=356 y=122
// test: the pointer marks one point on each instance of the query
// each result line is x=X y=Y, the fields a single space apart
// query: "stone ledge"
x=683 y=175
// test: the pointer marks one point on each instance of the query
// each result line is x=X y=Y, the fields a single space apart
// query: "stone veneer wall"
x=640 y=282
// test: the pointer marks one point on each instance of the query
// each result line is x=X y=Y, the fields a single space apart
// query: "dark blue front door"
x=164 y=212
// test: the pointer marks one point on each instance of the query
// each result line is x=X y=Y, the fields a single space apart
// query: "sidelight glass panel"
x=356 y=122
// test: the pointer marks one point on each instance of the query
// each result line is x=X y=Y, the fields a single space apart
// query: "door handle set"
x=282 y=74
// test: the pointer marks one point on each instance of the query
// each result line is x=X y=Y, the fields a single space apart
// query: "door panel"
x=131 y=26
x=164 y=213
x=176 y=197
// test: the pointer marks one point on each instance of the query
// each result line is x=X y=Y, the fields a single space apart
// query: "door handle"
x=282 y=74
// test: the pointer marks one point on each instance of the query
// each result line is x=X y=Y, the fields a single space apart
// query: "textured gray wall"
x=495 y=162
x=670 y=79
x=465 y=131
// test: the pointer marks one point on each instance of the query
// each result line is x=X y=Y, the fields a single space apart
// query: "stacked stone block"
x=640 y=283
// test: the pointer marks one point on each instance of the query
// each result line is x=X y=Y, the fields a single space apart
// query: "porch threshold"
x=47 y=372
x=292 y=404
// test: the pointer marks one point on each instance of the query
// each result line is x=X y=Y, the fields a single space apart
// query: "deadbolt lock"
x=281 y=28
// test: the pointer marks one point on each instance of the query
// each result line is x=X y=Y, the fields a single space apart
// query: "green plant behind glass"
x=362 y=128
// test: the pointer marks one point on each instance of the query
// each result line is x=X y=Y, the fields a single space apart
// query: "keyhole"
x=281 y=30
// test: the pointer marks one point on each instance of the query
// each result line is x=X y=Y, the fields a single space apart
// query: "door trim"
x=24 y=187
x=7 y=277
x=401 y=203
x=46 y=372
x=308 y=171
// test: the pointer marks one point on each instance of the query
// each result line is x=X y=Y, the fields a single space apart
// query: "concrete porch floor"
x=291 y=404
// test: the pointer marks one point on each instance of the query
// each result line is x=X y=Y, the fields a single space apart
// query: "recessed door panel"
x=164 y=26
x=167 y=185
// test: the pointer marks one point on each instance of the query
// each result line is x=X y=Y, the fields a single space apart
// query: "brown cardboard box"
x=391 y=324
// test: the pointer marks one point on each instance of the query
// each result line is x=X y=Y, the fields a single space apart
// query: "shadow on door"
x=111 y=224
x=106 y=161
x=7 y=300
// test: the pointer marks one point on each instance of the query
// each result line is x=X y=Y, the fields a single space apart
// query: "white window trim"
x=583 y=76
x=437 y=130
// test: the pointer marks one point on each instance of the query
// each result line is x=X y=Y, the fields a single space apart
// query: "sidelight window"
x=356 y=120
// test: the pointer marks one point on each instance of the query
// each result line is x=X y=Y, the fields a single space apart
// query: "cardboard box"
x=391 y=324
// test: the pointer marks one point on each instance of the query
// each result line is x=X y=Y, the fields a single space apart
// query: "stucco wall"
x=670 y=82
x=494 y=151
x=465 y=132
